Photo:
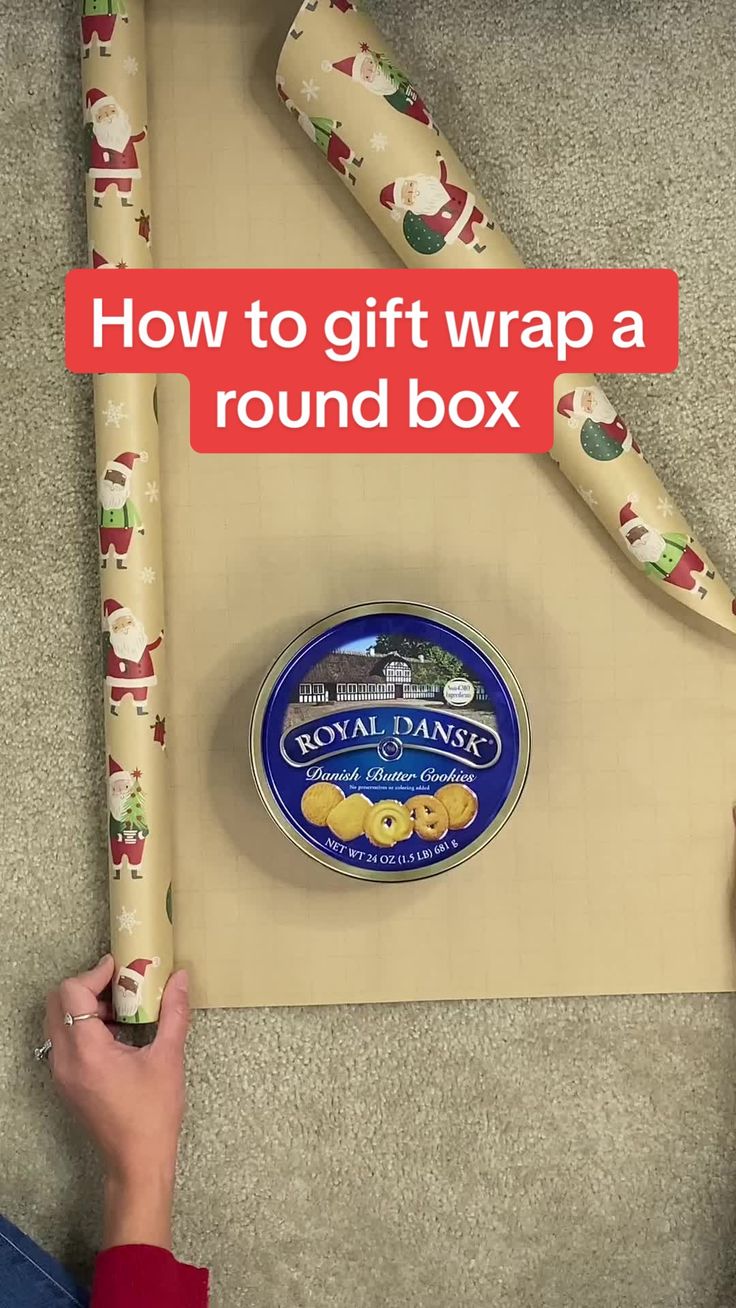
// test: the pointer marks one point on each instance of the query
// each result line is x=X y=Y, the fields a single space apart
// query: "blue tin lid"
x=390 y=741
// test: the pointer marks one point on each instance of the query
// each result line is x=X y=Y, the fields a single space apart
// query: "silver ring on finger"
x=71 y=1018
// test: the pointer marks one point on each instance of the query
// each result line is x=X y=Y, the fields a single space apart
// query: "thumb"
x=173 y=1022
x=99 y=976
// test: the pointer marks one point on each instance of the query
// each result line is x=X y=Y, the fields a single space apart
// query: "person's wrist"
x=138 y=1205
x=134 y=1171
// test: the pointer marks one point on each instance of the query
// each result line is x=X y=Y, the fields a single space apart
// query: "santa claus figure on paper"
x=101 y=264
x=119 y=517
x=129 y=667
x=342 y=6
x=98 y=20
x=434 y=213
x=667 y=557
x=324 y=133
x=128 y=826
x=377 y=75
x=603 y=435
x=112 y=158
x=128 y=990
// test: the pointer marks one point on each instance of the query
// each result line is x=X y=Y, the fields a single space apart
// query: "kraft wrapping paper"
x=616 y=872
x=343 y=85
x=131 y=569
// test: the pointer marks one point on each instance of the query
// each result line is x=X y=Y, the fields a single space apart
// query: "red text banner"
x=342 y=360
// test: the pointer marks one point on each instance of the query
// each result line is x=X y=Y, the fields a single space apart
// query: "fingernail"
x=105 y=958
x=181 y=980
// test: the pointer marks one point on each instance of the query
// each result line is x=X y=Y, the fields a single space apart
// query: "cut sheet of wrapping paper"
x=129 y=522
x=615 y=874
x=349 y=95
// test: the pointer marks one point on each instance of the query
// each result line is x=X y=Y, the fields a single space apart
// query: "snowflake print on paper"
x=148 y=576
x=310 y=90
x=128 y=920
x=114 y=413
x=665 y=506
x=589 y=497
x=378 y=141
x=130 y=65
x=151 y=491
x=143 y=456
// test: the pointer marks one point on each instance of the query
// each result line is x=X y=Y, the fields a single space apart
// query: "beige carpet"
x=536 y=1155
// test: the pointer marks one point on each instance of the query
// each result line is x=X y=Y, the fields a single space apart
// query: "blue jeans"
x=30 y=1278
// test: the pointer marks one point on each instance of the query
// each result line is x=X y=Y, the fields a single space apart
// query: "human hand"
x=129 y=1100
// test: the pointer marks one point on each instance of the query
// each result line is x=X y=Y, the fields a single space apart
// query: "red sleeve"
x=148 y=1277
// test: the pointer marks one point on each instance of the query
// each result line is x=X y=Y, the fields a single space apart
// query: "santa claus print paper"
x=129 y=518
x=410 y=182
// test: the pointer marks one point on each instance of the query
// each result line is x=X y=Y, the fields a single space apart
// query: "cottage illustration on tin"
x=389 y=669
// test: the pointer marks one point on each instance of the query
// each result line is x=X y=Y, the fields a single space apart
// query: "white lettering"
x=542 y=325
x=260 y=397
x=635 y=326
x=417 y=397
x=564 y=340
x=223 y=399
x=348 y=342
x=202 y=322
x=379 y=398
x=470 y=325
x=478 y=407
x=300 y=333
x=502 y=408
x=100 y=320
x=320 y=407
x=255 y=315
x=144 y=334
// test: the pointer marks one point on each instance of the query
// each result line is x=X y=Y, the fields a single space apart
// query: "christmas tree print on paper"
x=435 y=213
x=375 y=73
x=324 y=132
x=128 y=826
x=119 y=517
x=603 y=435
x=99 y=20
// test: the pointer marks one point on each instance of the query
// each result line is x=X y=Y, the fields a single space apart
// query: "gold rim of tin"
x=442 y=618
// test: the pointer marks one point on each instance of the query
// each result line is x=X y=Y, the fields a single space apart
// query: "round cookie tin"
x=390 y=741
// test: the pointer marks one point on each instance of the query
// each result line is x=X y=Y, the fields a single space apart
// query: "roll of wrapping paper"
x=340 y=81
x=129 y=517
